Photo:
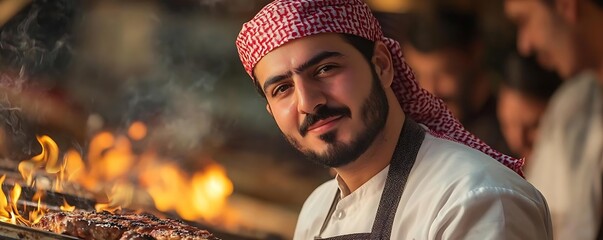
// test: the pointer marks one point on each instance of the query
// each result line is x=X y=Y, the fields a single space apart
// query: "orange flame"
x=47 y=158
x=111 y=167
x=74 y=166
x=8 y=207
x=137 y=131
x=5 y=214
x=202 y=196
x=36 y=215
x=66 y=207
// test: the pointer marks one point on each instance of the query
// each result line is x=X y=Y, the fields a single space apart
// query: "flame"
x=66 y=207
x=137 y=131
x=36 y=215
x=9 y=211
x=47 y=158
x=4 y=210
x=100 y=207
x=112 y=168
x=201 y=196
x=209 y=191
x=74 y=166
x=121 y=195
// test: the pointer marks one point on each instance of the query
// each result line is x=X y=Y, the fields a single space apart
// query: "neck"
x=377 y=156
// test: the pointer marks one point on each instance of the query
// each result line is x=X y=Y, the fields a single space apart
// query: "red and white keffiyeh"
x=284 y=20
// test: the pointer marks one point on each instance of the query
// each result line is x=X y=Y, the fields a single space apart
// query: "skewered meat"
x=119 y=226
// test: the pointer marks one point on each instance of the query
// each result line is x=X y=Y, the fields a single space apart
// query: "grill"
x=16 y=232
x=54 y=200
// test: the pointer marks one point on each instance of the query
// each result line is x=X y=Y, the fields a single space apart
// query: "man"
x=566 y=162
x=343 y=95
x=446 y=55
x=584 y=18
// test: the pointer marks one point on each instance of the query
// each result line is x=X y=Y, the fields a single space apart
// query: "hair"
x=37 y=40
x=442 y=29
x=527 y=77
x=364 y=46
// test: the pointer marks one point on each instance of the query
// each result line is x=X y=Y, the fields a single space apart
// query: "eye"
x=325 y=69
x=282 y=88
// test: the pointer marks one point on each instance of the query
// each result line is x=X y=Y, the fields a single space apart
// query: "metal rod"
x=53 y=200
x=17 y=232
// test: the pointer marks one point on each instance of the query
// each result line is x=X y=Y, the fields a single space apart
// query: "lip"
x=324 y=125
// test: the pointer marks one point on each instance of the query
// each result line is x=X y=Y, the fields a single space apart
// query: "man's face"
x=443 y=73
x=542 y=33
x=519 y=130
x=324 y=97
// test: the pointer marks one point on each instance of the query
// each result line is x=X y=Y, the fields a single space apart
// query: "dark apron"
x=403 y=159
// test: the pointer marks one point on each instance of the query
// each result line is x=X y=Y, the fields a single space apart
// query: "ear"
x=384 y=67
x=268 y=108
x=568 y=9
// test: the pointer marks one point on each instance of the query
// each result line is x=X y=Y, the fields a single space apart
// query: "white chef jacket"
x=567 y=161
x=452 y=192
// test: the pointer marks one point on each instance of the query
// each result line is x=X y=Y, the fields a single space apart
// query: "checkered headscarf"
x=284 y=20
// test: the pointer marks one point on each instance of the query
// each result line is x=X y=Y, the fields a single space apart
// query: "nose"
x=309 y=95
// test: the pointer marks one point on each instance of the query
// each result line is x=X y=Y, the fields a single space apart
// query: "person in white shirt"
x=343 y=95
x=565 y=35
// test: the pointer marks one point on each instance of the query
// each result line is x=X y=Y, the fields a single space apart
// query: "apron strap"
x=402 y=162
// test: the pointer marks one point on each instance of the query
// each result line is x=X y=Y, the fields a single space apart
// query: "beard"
x=373 y=114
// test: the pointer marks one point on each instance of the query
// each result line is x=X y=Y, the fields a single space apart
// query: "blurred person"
x=585 y=18
x=446 y=53
x=342 y=94
x=544 y=34
x=566 y=161
x=522 y=100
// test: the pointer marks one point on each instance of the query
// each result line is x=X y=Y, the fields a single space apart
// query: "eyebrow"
x=304 y=66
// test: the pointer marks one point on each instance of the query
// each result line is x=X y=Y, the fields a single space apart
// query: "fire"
x=201 y=195
x=66 y=207
x=137 y=131
x=210 y=188
x=74 y=166
x=114 y=169
x=9 y=211
x=48 y=158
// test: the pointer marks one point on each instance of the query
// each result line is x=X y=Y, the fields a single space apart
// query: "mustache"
x=323 y=112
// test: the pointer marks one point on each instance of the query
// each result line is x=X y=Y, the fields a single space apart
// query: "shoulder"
x=462 y=193
x=460 y=171
x=573 y=96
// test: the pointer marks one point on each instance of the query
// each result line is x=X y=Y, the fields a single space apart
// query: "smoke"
x=37 y=41
x=153 y=67
x=120 y=62
x=35 y=47
x=180 y=118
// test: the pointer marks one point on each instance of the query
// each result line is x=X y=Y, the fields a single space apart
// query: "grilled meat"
x=119 y=226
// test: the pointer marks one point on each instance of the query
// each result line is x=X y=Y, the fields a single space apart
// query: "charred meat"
x=119 y=226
